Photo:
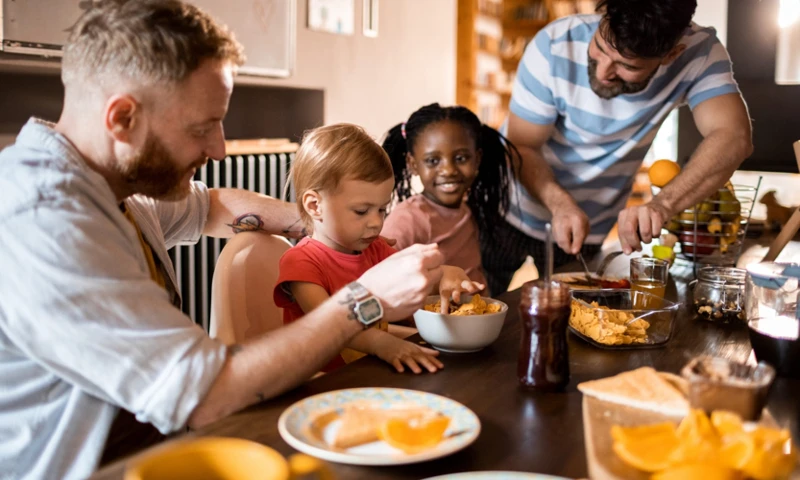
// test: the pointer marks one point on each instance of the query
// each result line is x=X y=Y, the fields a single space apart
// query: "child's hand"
x=399 y=352
x=454 y=282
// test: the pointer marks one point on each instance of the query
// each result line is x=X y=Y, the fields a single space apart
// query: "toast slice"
x=642 y=388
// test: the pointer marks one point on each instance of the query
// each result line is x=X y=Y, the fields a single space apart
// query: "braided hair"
x=488 y=196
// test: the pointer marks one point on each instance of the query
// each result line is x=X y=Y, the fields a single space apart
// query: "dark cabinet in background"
x=774 y=109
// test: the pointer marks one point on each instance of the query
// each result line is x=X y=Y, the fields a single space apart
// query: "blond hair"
x=333 y=153
x=147 y=41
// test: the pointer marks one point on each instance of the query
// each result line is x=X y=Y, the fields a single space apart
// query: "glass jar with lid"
x=719 y=294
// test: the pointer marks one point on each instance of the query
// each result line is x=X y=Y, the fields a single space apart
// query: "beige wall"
x=713 y=13
x=378 y=82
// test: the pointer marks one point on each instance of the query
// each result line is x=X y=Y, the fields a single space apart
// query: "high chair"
x=241 y=290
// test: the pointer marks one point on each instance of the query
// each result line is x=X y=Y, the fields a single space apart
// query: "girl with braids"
x=464 y=167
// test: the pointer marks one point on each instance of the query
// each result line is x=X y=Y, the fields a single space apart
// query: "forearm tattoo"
x=249 y=222
x=291 y=231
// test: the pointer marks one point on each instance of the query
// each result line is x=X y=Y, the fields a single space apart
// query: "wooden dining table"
x=521 y=430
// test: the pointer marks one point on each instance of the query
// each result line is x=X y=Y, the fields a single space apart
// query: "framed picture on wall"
x=370 y=18
x=332 y=16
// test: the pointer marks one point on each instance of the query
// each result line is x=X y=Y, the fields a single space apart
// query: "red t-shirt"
x=314 y=262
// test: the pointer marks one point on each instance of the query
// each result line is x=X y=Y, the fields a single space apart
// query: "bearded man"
x=91 y=332
x=590 y=94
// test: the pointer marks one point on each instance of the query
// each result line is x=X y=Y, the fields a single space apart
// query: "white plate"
x=496 y=476
x=293 y=424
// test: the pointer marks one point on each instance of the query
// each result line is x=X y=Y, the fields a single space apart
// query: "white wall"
x=714 y=13
x=378 y=82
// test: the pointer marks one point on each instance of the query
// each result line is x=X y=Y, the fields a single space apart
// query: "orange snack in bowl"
x=476 y=306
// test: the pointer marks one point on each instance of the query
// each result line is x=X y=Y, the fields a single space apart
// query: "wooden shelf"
x=511 y=64
x=490 y=90
x=490 y=15
x=519 y=22
x=525 y=24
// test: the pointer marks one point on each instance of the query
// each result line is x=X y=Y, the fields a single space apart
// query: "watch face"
x=370 y=310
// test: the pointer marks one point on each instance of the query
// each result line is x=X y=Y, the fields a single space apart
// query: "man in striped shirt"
x=590 y=94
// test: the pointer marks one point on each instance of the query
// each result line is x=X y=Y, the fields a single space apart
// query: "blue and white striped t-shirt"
x=598 y=145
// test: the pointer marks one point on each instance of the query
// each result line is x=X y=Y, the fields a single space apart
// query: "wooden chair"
x=241 y=291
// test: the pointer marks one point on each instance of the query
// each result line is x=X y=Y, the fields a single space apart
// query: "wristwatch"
x=367 y=309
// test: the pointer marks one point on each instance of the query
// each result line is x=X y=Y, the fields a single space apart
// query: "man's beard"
x=154 y=173
x=619 y=87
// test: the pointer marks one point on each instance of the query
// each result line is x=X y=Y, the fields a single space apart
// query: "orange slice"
x=775 y=455
x=726 y=422
x=649 y=453
x=737 y=449
x=698 y=472
x=402 y=435
x=699 y=441
x=695 y=426
x=634 y=434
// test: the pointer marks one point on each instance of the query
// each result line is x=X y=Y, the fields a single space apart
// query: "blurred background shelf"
x=492 y=36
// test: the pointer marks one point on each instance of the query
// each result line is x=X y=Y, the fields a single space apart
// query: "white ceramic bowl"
x=457 y=333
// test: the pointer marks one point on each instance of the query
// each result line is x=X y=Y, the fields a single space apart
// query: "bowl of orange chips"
x=469 y=327
x=721 y=446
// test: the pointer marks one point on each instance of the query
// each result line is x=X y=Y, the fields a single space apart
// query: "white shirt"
x=84 y=331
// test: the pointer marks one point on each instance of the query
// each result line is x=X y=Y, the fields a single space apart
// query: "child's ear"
x=312 y=204
x=411 y=164
x=478 y=156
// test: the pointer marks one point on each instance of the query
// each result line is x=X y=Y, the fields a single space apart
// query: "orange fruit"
x=650 y=451
x=699 y=441
x=698 y=471
x=409 y=438
x=768 y=438
x=726 y=422
x=775 y=455
x=662 y=172
x=633 y=434
x=787 y=460
x=737 y=449
x=695 y=426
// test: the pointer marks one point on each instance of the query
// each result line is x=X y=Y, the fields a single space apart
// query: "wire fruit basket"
x=713 y=231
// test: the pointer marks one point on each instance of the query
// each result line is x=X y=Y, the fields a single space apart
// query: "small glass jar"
x=719 y=294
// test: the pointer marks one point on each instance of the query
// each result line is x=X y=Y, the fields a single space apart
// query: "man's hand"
x=640 y=224
x=403 y=281
x=570 y=227
x=455 y=282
